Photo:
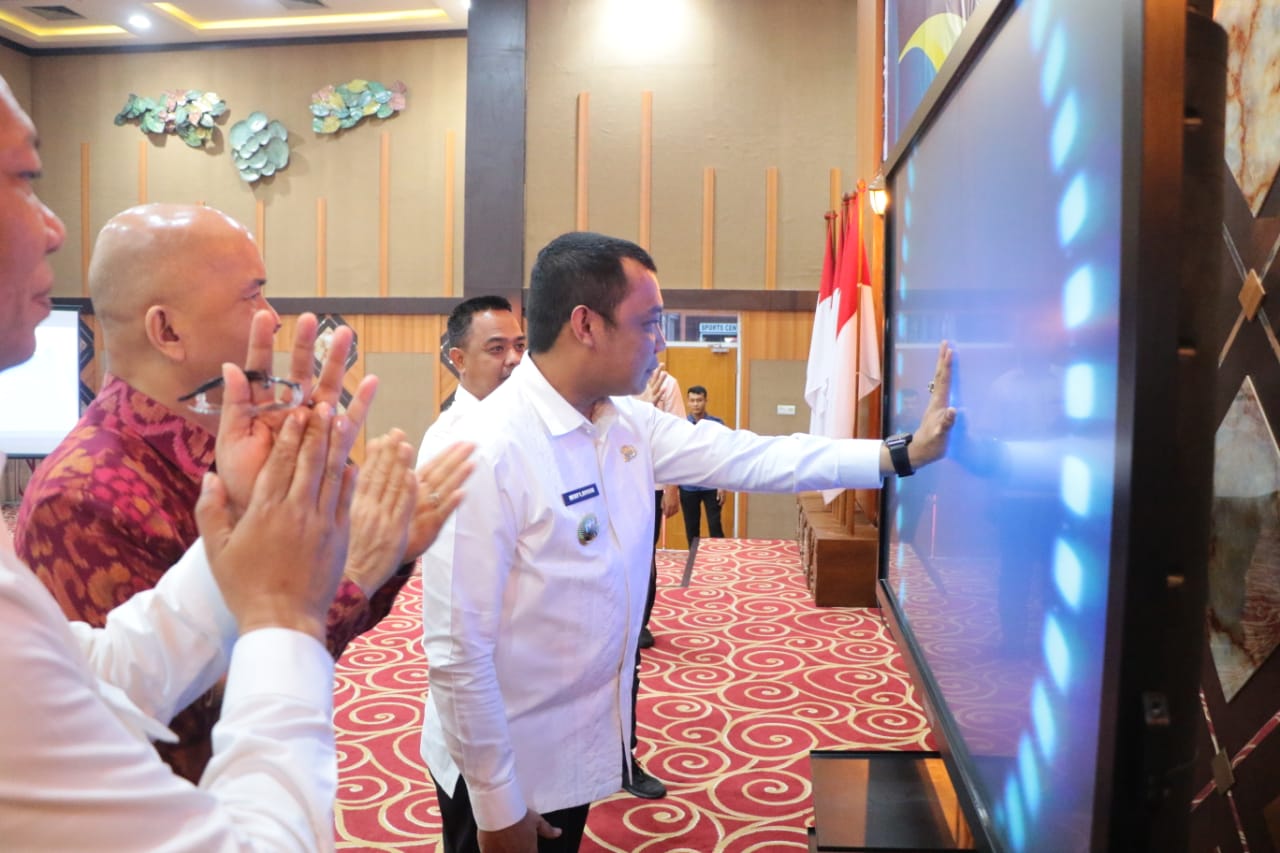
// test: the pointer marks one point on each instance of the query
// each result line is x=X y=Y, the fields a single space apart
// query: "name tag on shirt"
x=580 y=494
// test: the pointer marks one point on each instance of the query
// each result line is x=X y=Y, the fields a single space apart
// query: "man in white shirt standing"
x=485 y=345
x=531 y=616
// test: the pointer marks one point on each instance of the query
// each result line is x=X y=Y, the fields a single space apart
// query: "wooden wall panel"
x=403 y=332
x=582 y=164
x=775 y=382
x=718 y=101
x=776 y=334
x=386 y=219
x=407 y=378
x=450 y=203
x=768 y=336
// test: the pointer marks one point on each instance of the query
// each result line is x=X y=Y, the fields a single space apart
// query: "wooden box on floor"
x=839 y=566
x=885 y=801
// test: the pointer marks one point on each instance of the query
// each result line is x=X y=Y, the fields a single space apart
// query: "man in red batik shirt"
x=174 y=288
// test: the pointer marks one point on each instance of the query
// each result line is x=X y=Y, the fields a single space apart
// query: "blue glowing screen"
x=1005 y=240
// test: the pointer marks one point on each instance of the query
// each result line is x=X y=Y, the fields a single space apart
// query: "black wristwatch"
x=897 y=445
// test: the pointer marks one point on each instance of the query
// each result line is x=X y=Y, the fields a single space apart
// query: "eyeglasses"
x=285 y=394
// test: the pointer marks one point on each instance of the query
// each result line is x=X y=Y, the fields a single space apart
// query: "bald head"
x=175 y=288
x=146 y=255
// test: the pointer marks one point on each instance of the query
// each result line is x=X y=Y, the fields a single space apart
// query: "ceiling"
x=59 y=24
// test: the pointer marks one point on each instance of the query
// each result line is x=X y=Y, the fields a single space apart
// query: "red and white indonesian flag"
x=823 y=341
x=845 y=353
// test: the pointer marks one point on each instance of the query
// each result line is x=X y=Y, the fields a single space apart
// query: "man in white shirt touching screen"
x=532 y=616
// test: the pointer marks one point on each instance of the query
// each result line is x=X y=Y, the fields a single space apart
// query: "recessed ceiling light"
x=405 y=16
x=139 y=21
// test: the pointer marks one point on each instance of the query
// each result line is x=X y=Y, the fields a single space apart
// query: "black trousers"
x=691 y=504
x=648 y=610
x=460 y=831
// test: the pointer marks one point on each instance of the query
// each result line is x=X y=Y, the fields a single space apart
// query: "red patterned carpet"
x=747 y=677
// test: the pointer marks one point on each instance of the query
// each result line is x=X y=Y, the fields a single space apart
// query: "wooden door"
x=717 y=371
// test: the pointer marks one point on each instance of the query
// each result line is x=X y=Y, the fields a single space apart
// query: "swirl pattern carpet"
x=747 y=676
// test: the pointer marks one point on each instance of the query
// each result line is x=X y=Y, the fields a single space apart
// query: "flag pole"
x=857 y=374
x=844 y=504
x=857 y=361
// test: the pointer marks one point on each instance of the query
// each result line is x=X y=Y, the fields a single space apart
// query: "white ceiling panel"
x=54 y=24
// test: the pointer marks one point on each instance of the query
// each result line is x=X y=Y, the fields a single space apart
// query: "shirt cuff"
x=499 y=808
x=859 y=465
x=210 y=594
x=281 y=662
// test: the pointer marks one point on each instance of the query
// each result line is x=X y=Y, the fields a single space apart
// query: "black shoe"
x=646 y=639
x=643 y=785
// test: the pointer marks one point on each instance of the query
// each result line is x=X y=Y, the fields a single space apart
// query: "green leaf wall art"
x=259 y=146
x=188 y=114
x=336 y=108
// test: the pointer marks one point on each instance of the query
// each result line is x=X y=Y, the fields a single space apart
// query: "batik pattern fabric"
x=113 y=507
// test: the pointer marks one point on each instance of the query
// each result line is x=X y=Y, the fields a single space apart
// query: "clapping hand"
x=245 y=435
x=397 y=512
x=386 y=492
x=278 y=556
x=439 y=492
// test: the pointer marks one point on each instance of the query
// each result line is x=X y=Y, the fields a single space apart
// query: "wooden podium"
x=840 y=565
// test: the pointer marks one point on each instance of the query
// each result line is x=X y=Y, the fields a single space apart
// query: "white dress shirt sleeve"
x=435 y=439
x=165 y=646
x=440 y=434
x=710 y=454
x=76 y=771
x=464 y=583
x=673 y=404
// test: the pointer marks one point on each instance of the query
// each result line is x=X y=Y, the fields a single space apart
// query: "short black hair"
x=697 y=389
x=578 y=268
x=460 y=317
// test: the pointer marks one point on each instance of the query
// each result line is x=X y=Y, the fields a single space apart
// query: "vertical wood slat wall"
x=86 y=187
x=646 y=168
x=582 y=162
x=771 y=192
x=708 y=228
x=771 y=228
x=322 y=242
x=142 y=172
x=450 y=210
x=384 y=215
x=710 y=245
x=94 y=168
x=260 y=226
x=779 y=334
